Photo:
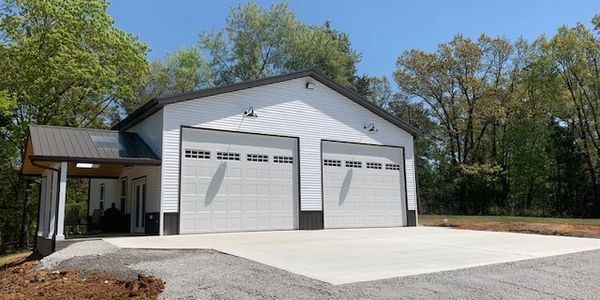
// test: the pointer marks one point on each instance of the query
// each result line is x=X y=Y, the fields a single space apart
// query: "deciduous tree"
x=260 y=42
x=62 y=62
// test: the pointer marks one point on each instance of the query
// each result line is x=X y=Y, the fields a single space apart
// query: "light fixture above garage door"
x=250 y=112
x=371 y=128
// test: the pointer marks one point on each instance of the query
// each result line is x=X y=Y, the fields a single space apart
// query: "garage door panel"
x=188 y=171
x=359 y=191
x=245 y=188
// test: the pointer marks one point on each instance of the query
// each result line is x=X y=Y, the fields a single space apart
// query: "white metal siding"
x=152 y=174
x=111 y=194
x=150 y=131
x=285 y=108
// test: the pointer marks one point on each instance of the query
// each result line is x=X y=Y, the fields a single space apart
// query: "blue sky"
x=380 y=30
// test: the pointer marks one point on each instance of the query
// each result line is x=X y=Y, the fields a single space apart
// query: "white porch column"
x=52 y=193
x=62 y=199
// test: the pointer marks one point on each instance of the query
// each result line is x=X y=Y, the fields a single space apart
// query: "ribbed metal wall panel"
x=152 y=174
x=288 y=109
x=149 y=129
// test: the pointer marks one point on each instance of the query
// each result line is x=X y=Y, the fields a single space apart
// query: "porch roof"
x=110 y=149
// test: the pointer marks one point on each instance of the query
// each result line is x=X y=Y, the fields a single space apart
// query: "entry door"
x=139 y=205
x=237 y=182
x=363 y=185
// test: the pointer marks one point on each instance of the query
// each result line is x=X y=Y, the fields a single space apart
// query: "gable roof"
x=156 y=104
x=55 y=143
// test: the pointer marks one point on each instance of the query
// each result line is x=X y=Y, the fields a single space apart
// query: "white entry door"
x=237 y=182
x=363 y=185
x=139 y=205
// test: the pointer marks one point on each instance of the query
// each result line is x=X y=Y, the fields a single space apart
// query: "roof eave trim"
x=138 y=115
x=349 y=93
x=158 y=103
x=118 y=161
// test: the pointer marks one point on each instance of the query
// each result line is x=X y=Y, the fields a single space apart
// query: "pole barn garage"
x=294 y=151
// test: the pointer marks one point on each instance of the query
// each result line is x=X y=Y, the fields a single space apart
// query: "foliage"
x=262 y=42
x=575 y=52
x=61 y=63
x=184 y=71
x=515 y=124
x=510 y=127
x=376 y=89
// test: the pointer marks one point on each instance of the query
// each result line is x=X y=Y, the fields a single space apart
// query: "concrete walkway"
x=353 y=255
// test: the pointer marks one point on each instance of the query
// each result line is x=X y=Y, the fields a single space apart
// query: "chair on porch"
x=72 y=220
x=96 y=219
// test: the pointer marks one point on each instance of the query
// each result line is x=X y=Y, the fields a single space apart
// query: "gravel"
x=87 y=248
x=208 y=274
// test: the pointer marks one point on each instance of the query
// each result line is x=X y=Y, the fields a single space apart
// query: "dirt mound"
x=24 y=282
x=523 y=227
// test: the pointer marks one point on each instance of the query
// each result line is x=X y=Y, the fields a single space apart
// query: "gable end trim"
x=156 y=104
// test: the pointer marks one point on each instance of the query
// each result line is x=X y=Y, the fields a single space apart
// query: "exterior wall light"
x=371 y=128
x=310 y=85
x=250 y=113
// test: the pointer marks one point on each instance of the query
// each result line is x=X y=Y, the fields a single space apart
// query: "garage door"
x=237 y=182
x=363 y=185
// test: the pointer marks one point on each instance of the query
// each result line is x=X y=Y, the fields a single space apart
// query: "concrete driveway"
x=353 y=255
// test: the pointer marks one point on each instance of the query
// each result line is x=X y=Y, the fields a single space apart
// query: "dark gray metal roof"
x=57 y=143
x=156 y=104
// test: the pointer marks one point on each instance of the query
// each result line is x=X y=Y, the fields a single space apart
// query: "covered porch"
x=122 y=175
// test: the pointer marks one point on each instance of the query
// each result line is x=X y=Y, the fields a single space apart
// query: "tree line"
x=510 y=127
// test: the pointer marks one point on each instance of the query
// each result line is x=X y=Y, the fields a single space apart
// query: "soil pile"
x=24 y=282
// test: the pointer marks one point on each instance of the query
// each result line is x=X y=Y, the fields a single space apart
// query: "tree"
x=261 y=42
x=183 y=71
x=61 y=63
x=376 y=89
x=576 y=54
x=468 y=88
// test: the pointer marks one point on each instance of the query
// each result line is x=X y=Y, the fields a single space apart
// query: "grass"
x=13 y=258
x=436 y=219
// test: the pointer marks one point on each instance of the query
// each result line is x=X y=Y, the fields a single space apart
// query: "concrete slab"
x=353 y=255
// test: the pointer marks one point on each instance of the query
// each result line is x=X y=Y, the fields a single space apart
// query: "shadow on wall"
x=345 y=189
x=215 y=184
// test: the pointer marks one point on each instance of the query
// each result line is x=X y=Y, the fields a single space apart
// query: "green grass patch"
x=436 y=219
x=13 y=258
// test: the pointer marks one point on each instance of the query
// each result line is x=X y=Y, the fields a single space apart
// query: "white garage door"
x=237 y=182
x=363 y=185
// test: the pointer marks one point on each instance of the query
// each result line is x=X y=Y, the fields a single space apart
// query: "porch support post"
x=52 y=199
x=62 y=199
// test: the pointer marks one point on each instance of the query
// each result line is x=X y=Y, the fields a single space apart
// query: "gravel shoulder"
x=208 y=274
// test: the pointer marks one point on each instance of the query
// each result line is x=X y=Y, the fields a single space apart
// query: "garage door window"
x=373 y=165
x=257 y=157
x=353 y=164
x=392 y=167
x=228 y=156
x=283 y=159
x=332 y=162
x=198 y=154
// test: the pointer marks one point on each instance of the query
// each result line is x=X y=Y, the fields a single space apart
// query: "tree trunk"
x=529 y=196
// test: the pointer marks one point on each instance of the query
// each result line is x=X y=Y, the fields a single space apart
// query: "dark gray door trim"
x=182 y=127
x=406 y=210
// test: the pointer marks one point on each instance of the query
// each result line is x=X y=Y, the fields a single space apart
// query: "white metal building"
x=295 y=151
